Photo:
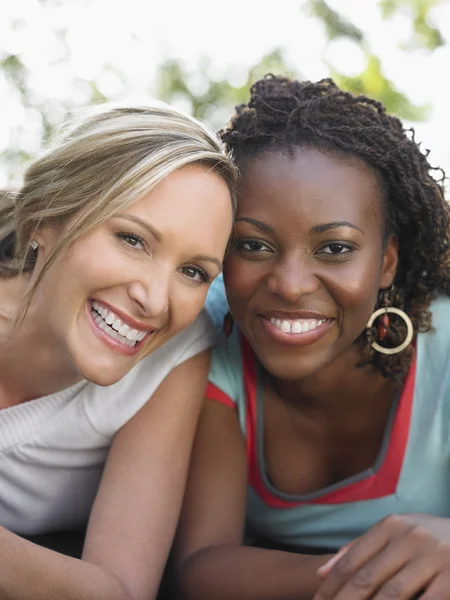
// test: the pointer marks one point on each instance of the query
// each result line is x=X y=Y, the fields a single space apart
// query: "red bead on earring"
x=383 y=326
x=383 y=322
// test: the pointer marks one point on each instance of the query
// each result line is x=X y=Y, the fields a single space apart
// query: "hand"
x=399 y=558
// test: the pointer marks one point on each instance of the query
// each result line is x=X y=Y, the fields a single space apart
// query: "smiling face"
x=308 y=258
x=126 y=288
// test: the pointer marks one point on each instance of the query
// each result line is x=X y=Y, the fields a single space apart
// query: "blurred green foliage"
x=336 y=26
x=214 y=102
x=373 y=83
x=212 y=99
x=424 y=35
x=371 y=80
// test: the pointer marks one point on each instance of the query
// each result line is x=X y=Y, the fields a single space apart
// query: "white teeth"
x=131 y=335
x=114 y=327
x=296 y=326
x=115 y=335
x=124 y=329
x=285 y=326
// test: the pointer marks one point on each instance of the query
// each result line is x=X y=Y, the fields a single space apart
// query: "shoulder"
x=433 y=353
x=438 y=336
x=110 y=407
x=432 y=375
x=440 y=309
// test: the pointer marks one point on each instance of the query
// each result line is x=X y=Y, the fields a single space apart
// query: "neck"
x=340 y=389
x=32 y=364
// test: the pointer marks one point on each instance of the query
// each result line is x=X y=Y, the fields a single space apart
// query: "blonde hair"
x=100 y=167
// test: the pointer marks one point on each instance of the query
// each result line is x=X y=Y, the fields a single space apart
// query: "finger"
x=396 y=568
x=361 y=552
x=438 y=588
x=325 y=569
x=409 y=581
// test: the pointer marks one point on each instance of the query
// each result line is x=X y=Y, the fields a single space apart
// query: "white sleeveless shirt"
x=53 y=449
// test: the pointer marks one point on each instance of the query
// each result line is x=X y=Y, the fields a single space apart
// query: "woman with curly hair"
x=326 y=428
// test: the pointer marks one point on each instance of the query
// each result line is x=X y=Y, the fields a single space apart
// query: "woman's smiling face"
x=123 y=290
x=308 y=258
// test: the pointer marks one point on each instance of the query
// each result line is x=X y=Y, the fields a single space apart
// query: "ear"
x=45 y=236
x=390 y=262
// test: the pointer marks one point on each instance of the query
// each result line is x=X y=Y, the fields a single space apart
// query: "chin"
x=290 y=370
x=103 y=379
x=102 y=374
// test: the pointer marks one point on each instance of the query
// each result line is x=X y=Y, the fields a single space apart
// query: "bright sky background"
x=137 y=35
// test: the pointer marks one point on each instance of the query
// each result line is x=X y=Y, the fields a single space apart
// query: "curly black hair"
x=285 y=114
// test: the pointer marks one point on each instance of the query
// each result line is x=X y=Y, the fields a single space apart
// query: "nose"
x=292 y=278
x=151 y=294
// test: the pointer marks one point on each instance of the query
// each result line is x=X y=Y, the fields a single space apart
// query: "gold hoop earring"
x=409 y=326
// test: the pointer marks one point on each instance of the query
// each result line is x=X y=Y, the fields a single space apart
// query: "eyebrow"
x=210 y=259
x=316 y=229
x=258 y=224
x=155 y=233
x=333 y=225
x=158 y=236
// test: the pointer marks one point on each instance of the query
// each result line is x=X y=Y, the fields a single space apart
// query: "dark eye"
x=336 y=249
x=252 y=246
x=195 y=274
x=132 y=240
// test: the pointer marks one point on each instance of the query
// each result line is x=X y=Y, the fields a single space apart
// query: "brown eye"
x=132 y=240
x=336 y=249
x=252 y=246
x=195 y=274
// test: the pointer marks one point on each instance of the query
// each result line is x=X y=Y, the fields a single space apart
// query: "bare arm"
x=135 y=513
x=210 y=559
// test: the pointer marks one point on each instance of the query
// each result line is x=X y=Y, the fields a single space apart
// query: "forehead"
x=192 y=200
x=311 y=185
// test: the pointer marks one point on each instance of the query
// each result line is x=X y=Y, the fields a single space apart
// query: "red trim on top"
x=380 y=484
x=250 y=382
x=215 y=393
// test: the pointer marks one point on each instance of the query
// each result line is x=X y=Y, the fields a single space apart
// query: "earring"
x=34 y=245
x=228 y=323
x=384 y=322
x=383 y=325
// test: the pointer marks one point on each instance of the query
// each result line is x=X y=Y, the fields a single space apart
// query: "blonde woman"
x=107 y=255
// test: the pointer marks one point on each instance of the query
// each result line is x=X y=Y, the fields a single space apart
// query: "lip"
x=124 y=317
x=111 y=342
x=296 y=339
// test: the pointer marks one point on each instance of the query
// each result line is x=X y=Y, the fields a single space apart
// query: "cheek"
x=354 y=292
x=96 y=262
x=242 y=279
x=357 y=283
x=186 y=305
